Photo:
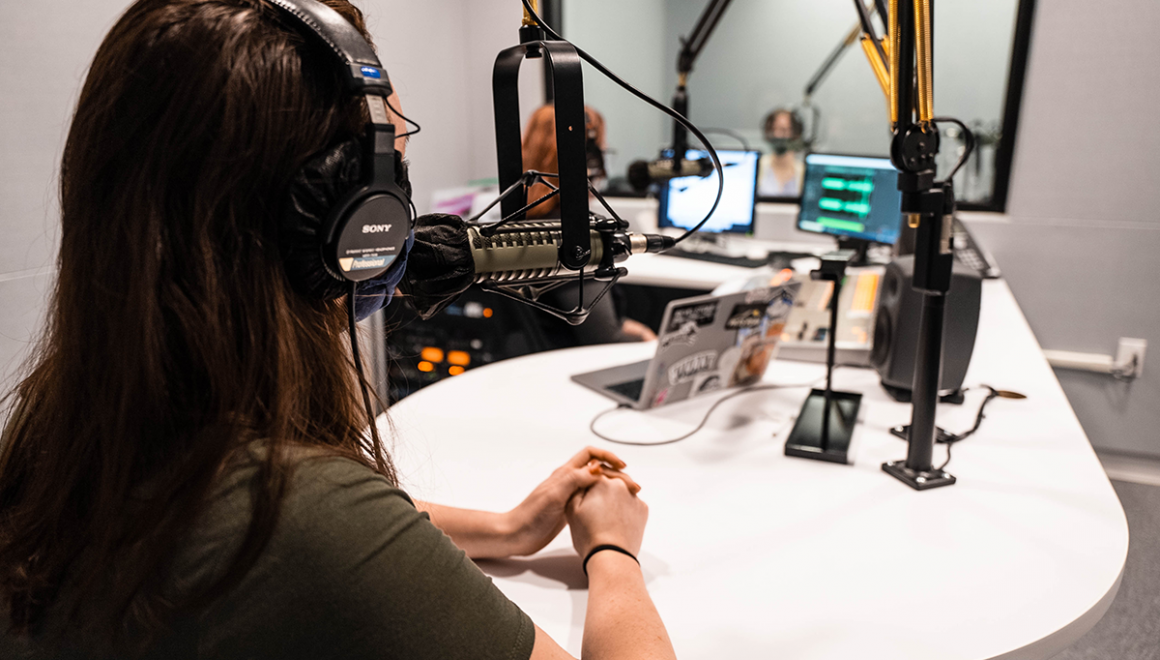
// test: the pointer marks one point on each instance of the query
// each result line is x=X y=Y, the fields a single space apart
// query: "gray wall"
x=440 y=62
x=36 y=100
x=633 y=46
x=1080 y=245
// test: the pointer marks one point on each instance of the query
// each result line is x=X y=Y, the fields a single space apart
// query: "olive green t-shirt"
x=352 y=571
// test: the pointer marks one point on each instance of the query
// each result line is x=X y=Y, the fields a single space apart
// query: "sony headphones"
x=350 y=218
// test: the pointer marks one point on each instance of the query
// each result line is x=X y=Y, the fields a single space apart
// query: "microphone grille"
x=638 y=176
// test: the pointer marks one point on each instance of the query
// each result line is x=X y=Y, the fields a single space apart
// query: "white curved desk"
x=750 y=554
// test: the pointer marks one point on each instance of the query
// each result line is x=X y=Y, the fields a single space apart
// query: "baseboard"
x=1129 y=467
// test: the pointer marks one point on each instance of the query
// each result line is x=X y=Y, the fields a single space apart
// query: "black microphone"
x=642 y=173
x=523 y=251
x=448 y=256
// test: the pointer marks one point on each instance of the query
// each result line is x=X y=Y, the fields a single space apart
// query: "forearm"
x=622 y=621
x=481 y=534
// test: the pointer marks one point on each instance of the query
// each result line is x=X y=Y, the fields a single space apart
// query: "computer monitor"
x=685 y=201
x=851 y=197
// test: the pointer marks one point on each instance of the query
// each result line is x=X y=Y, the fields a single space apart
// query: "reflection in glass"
x=781 y=170
x=760 y=58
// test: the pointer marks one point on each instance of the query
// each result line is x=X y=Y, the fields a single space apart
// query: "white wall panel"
x=1080 y=245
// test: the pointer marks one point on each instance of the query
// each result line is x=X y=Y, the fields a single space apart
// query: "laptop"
x=706 y=343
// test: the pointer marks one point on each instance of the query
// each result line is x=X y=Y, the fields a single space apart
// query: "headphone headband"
x=365 y=74
x=366 y=229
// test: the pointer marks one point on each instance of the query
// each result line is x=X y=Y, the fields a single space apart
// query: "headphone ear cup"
x=314 y=192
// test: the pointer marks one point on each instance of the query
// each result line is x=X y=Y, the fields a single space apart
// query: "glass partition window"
x=747 y=88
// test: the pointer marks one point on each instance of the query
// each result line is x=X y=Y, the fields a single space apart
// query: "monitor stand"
x=858 y=245
x=705 y=242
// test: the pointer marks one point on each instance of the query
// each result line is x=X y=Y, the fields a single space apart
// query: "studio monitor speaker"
x=896 y=328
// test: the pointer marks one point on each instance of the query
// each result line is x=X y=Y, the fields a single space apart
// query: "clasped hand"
x=542 y=515
x=537 y=520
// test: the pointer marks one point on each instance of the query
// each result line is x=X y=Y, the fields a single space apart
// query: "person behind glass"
x=187 y=471
x=606 y=323
x=780 y=172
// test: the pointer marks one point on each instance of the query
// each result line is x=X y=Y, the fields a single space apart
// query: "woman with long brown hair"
x=187 y=470
x=539 y=151
x=605 y=324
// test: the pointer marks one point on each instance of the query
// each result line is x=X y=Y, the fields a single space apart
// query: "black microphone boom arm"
x=832 y=59
x=691 y=47
x=863 y=26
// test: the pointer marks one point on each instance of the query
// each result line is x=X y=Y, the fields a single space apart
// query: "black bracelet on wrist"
x=598 y=548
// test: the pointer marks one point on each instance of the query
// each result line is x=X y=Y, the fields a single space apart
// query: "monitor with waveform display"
x=851 y=197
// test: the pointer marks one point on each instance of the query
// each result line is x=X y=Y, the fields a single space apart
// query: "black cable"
x=704 y=420
x=948 y=461
x=969 y=144
x=992 y=394
x=676 y=116
x=387 y=101
x=405 y=119
x=358 y=365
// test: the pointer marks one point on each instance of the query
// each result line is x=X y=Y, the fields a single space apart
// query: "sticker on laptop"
x=702 y=314
x=780 y=306
x=660 y=398
x=695 y=365
x=706 y=383
x=685 y=335
x=746 y=315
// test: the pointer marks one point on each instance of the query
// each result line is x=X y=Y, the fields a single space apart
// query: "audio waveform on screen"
x=847 y=193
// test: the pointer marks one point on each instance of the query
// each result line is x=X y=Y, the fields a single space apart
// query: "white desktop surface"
x=659 y=270
x=681 y=272
x=752 y=554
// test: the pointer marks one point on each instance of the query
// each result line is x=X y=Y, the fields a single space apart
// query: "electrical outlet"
x=1128 y=350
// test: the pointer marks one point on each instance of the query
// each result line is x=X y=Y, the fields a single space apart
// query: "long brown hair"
x=539 y=150
x=174 y=337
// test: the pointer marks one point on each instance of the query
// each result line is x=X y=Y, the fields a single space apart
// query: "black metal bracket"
x=568 y=84
x=918 y=479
